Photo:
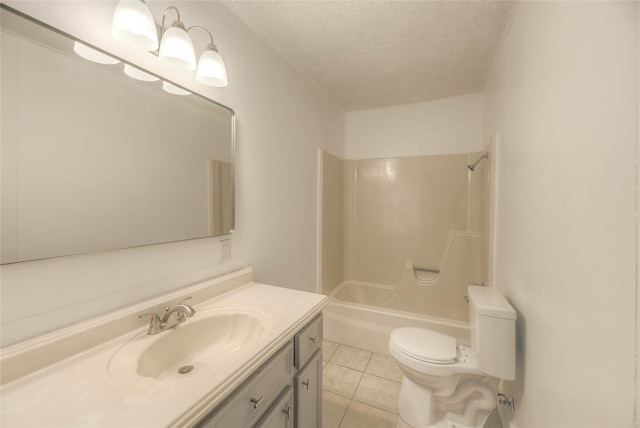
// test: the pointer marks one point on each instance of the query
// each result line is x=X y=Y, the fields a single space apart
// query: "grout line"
x=368 y=362
x=362 y=373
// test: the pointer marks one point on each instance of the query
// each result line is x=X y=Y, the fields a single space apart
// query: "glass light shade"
x=93 y=55
x=173 y=89
x=176 y=49
x=211 y=69
x=136 y=73
x=133 y=25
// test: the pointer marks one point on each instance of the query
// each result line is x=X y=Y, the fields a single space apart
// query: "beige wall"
x=563 y=99
x=437 y=127
x=282 y=120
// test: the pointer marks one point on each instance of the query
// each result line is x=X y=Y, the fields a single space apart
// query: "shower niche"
x=407 y=233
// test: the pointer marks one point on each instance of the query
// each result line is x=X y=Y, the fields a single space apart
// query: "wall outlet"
x=225 y=250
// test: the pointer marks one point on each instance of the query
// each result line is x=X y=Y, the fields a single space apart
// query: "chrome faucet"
x=158 y=325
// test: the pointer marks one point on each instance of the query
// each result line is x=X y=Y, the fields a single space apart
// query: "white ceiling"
x=369 y=54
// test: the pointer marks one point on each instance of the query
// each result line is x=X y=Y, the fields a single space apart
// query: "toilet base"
x=416 y=404
x=466 y=404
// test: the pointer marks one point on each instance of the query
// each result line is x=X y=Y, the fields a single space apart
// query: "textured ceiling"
x=369 y=54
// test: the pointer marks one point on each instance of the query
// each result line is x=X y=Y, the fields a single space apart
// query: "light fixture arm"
x=211 y=45
x=176 y=23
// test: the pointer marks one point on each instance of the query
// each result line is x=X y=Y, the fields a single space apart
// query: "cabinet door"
x=308 y=389
x=280 y=414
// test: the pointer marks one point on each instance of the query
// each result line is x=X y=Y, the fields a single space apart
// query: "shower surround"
x=403 y=237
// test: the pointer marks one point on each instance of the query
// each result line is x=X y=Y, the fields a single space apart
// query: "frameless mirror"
x=95 y=160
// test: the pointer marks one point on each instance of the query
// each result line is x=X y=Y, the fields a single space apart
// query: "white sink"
x=204 y=342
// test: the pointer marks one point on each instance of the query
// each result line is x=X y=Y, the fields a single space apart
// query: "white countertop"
x=79 y=391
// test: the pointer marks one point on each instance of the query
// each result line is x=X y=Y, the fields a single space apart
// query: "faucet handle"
x=184 y=300
x=191 y=310
x=154 y=324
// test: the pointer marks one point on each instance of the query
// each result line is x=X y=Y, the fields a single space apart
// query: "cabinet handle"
x=306 y=383
x=313 y=339
x=256 y=402
x=287 y=411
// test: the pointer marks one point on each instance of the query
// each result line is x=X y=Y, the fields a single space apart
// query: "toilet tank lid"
x=490 y=302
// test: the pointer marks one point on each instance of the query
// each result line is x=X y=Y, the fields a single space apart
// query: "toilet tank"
x=493 y=331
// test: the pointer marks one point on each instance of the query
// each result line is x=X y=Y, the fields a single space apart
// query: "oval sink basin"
x=200 y=343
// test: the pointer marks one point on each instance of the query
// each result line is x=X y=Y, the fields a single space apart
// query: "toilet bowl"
x=448 y=385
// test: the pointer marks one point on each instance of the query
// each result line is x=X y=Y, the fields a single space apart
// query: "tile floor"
x=360 y=388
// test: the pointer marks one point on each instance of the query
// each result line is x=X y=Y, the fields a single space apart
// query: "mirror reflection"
x=94 y=160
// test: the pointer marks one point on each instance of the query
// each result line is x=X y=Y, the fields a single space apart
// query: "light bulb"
x=133 y=25
x=211 y=69
x=176 y=49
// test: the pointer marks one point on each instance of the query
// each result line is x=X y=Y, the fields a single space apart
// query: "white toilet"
x=448 y=385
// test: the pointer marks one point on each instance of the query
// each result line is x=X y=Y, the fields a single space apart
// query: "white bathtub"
x=369 y=327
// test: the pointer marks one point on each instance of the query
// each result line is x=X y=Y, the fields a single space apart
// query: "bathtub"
x=368 y=325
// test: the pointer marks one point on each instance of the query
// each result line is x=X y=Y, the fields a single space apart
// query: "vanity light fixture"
x=175 y=47
x=93 y=55
x=133 y=25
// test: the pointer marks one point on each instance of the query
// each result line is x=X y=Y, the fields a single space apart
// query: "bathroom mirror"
x=95 y=160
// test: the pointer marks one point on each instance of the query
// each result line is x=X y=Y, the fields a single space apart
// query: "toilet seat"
x=463 y=360
x=424 y=345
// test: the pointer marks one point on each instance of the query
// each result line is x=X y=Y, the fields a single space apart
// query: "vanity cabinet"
x=285 y=392
x=248 y=403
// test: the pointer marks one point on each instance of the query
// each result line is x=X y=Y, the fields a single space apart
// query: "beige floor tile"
x=353 y=358
x=384 y=366
x=340 y=380
x=334 y=407
x=362 y=416
x=328 y=348
x=378 y=392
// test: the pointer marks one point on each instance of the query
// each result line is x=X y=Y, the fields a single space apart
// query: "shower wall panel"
x=332 y=222
x=399 y=209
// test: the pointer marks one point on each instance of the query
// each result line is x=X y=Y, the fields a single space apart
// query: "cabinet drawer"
x=307 y=341
x=280 y=414
x=251 y=400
